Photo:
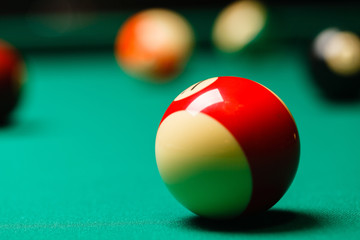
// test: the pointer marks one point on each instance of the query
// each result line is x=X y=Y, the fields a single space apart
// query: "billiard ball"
x=227 y=147
x=154 y=44
x=12 y=70
x=238 y=25
x=335 y=63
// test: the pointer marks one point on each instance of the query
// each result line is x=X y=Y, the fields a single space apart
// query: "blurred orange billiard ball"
x=154 y=45
x=12 y=70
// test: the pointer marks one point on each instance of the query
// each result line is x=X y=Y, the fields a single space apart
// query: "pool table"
x=78 y=162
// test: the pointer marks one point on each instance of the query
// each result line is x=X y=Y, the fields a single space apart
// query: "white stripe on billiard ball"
x=203 y=165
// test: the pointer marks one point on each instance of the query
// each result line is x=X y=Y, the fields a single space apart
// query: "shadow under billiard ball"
x=272 y=221
x=335 y=64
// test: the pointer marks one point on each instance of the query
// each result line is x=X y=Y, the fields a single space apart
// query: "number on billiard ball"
x=195 y=88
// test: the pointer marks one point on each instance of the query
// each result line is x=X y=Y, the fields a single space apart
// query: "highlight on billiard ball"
x=335 y=63
x=226 y=147
x=12 y=69
x=238 y=25
x=154 y=44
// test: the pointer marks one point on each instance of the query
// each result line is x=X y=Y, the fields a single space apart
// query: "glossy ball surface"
x=154 y=44
x=335 y=63
x=227 y=146
x=12 y=70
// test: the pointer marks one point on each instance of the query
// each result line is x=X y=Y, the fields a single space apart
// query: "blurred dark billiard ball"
x=12 y=70
x=335 y=63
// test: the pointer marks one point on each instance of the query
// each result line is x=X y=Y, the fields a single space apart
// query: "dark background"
x=93 y=24
x=44 y=6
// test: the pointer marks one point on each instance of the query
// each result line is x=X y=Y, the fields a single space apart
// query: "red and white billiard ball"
x=154 y=44
x=12 y=69
x=227 y=146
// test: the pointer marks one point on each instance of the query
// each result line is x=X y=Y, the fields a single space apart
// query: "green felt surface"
x=78 y=160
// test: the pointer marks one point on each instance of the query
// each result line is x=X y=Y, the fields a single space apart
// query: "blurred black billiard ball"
x=335 y=63
x=12 y=70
